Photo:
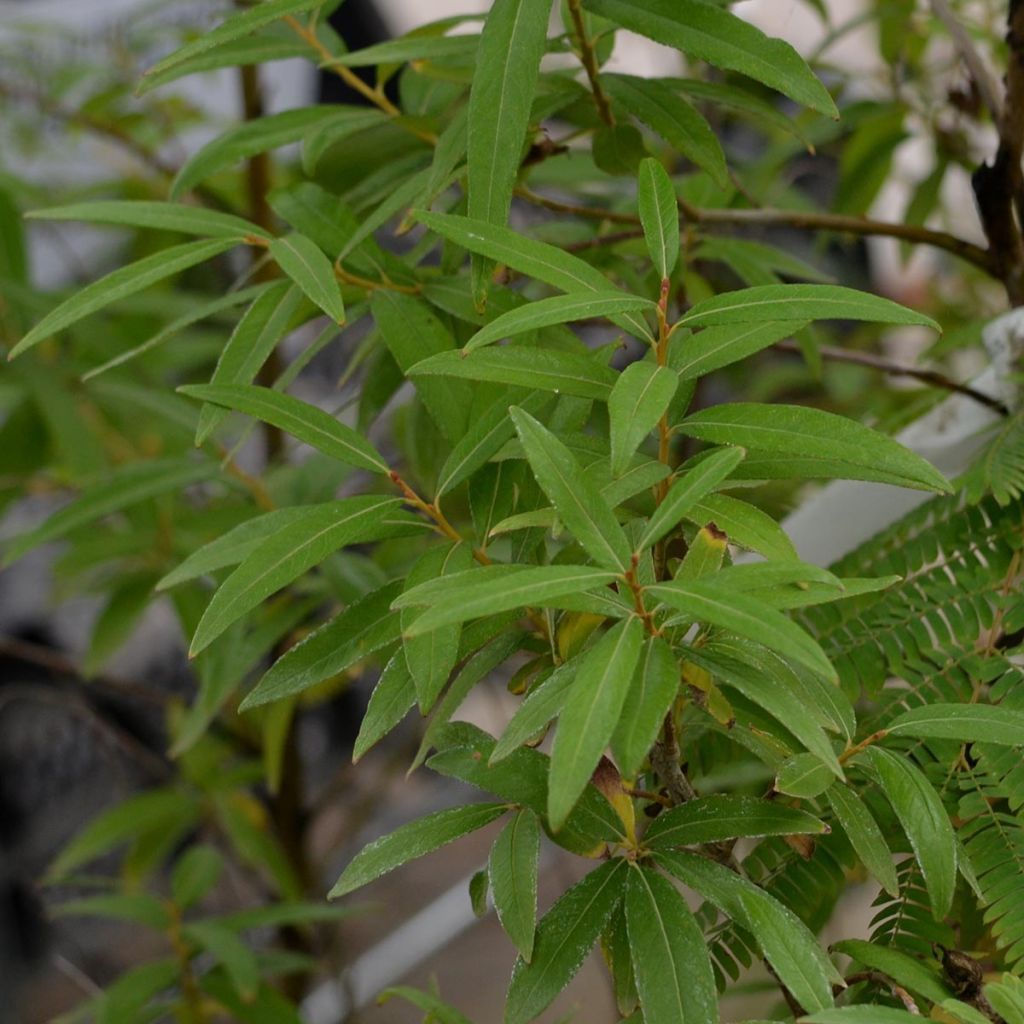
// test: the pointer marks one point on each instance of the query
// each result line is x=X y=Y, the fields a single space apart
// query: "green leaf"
x=301 y=259
x=500 y=98
x=413 y=840
x=788 y=944
x=176 y=217
x=482 y=591
x=653 y=688
x=707 y=32
x=542 y=704
x=226 y=947
x=260 y=135
x=346 y=122
x=138 y=907
x=924 y=820
x=670 y=958
x=306 y=422
x=195 y=874
x=543 y=369
x=745 y=616
x=659 y=214
x=590 y=715
x=803 y=775
x=745 y=525
x=711 y=819
x=865 y=1014
x=431 y=656
x=715 y=347
x=485 y=436
x=410 y=47
x=678 y=122
x=238 y=25
x=905 y=970
x=121 y=283
x=565 y=935
x=800 y=432
x=389 y=703
x=321 y=531
x=687 y=492
x=126 y=486
x=637 y=402
x=800 y=302
x=559 y=309
x=968 y=723
x=512 y=868
x=578 y=502
x=545 y=262
x=438 y=1011
x=864 y=836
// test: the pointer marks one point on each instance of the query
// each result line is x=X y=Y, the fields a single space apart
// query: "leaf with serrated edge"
x=413 y=840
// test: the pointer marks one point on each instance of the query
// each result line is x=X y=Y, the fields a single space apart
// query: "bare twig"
x=988 y=87
x=589 y=59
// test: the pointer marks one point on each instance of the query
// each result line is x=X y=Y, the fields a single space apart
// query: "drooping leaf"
x=744 y=524
x=968 y=723
x=392 y=697
x=746 y=617
x=918 y=977
x=500 y=99
x=175 y=217
x=512 y=868
x=579 y=504
x=413 y=840
x=679 y=123
x=799 y=432
x=435 y=1008
x=296 y=549
x=653 y=688
x=670 y=958
x=561 y=372
x=710 y=33
x=803 y=775
x=924 y=820
x=711 y=819
x=559 y=309
x=687 y=491
x=306 y=422
x=565 y=935
x=637 y=402
x=590 y=715
x=301 y=259
x=542 y=704
x=362 y=628
x=800 y=302
x=121 y=283
x=478 y=592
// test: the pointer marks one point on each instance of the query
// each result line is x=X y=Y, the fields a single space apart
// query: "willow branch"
x=589 y=59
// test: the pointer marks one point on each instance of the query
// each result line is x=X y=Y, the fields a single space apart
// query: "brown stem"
x=863 y=745
x=593 y=212
x=932 y=377
x=589 y=59
x=988 y=88
x=882 y=979
x=666 y=758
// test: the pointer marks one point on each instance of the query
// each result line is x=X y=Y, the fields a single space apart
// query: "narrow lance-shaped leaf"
x=513 y=872
x=670 y=957
x=559 y=309
x=296 y=549
x=121 y=283
x=813 y=434
x=565 y=935
x=715 y=347
x=392 y=697
x=301 y=259
x=590 y=714
x=235 y=27
x=543 y=369
x=187 y=220
x=659 y=214
x=500 y=98
x=578 y=502
x=654 y=687
x=639 y=399
x=498 y=588
x=709 y=33
x=865 y=836
x=800 y=302
x=746 y=617
x=687 y=491
x=968 y=723
x=306 y=422
x=413 y=840
x=924 y=820
x=528 y=256
x=543 y=703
